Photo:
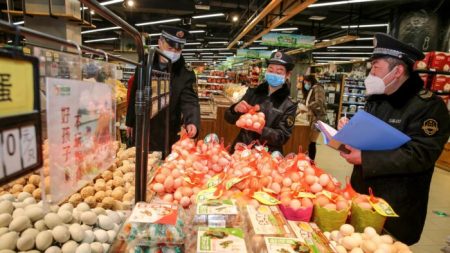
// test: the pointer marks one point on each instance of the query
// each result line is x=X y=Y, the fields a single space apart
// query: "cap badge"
x=278 y=55
x=180 y=34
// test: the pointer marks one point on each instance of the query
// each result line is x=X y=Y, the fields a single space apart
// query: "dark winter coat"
x=279 y=110
x=184 y=107
x=402 y=176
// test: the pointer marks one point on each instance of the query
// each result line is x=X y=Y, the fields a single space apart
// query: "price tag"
x=20 y=130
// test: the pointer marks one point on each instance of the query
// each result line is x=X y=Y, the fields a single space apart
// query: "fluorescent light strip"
x=159 y=22
x=101 y=29
x=206 y=53
x=364 y=26
x=256 y=48
x=325 y=62
x=257 y=41
x=204 y=49
x=226 y=53
x=208 y=16
x=197 y=31
x=188 y=54
x=364 y=38
x=154 y=34
x=340 y=57
x=338 y=53
x=284 y=29
x=106 y=3
x=218 y=42
x=193 y=43
x=19 y=22
x=350 y=47
x=339 y=3
x=99 y=40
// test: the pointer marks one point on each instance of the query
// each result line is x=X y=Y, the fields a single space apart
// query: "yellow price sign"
x=16 y=86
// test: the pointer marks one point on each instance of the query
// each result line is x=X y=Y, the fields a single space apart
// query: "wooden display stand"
x=444 y=160
x=299 y=137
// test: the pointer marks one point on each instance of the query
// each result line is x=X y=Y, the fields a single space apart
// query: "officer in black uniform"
x=402 y=176
x=184 y=107
x=273 y=98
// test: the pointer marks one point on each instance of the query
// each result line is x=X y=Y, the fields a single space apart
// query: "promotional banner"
x=81 y=132
x=288 y=40
x=254 y=54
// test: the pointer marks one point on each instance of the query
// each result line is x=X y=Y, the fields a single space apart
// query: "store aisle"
x=436 y=229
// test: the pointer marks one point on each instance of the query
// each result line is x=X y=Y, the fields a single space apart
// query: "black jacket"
x=184 y=108
x=402 y=176
x=280 y=116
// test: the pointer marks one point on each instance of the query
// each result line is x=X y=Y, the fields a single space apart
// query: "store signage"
x=20 y=130
x=254 y=54
x=81 y=132
x=288 y=40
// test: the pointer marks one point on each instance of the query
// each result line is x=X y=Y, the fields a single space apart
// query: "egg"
x=5 y=219
x=341 y=205
x=295 y=204
x=256 y=125
x=335 y=236
x=370 y=232
x=387 y=239
x=365 y=206
x=368 y=246
x=19 y=224
x=168 y=198
x=322 y=200
x=61 y=234
x=384 y=248
x=348 y=242
x=347 y=229
x=158 y=187
x=185 y=201
x=330 y=206
x=276 y=187
x=168 y=183
x=177 y=195
x=84 y=248
x=310 y=171
x=306 y=202
x=316 y=187
x=357 y=250
x=69 y=247
x=178 y=182
x=324 y=179
x=9 y=240
x=310 y=179
x=105 y=222
x=160 y=178
x=44 y=240
x=76 y=232
x=285 y=201
x=287 y=182
x=340 y=249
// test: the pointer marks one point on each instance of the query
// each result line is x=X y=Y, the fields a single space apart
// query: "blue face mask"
x=275 y=80
x=307 y=86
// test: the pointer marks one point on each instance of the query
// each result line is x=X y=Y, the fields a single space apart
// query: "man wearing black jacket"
x=274 y=101
x=401 y=176
x=184 y=109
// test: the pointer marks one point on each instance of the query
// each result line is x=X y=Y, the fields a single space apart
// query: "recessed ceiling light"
x=235 y=18
x=130 y=3
x=318 y=18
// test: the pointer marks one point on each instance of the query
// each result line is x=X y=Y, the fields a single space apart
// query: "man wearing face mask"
x=314 y=94
x=402 y=176
x=184 y=109
x=273 y=98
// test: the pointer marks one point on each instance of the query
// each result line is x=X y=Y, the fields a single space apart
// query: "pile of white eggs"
x=346 y=240
x=28 y=226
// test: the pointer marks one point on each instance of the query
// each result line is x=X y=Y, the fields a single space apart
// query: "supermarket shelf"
x=441 y=92
x=355 y=94
x=432 y=71
x=354 y=86
x=212 y=91
x=353 y=103
x=348 y=113
x=218 y=84
x=206 y=76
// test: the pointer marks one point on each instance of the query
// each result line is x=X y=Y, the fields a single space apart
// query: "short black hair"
x=392 y=61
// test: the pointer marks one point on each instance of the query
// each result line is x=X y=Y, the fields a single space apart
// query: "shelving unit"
x=333 y=93
x=353 y=98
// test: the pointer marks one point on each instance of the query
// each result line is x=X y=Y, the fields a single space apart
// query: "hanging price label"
x=20 y=130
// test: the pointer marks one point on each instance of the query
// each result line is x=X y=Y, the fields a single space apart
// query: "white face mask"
x=172 y=55
x=375 y=85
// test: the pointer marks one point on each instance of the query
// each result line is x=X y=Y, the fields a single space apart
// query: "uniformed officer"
x=402 y=176
x=184 y=107
x=273 y=98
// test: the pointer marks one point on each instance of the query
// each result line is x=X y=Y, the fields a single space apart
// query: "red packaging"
x=439 y=83
x=439 y=61
x=446 y=99
x=423 y=64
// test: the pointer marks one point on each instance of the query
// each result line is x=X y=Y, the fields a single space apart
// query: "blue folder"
x=367 y=132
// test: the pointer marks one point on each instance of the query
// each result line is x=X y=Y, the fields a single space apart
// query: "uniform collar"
x=279 y=94
x=406 y=91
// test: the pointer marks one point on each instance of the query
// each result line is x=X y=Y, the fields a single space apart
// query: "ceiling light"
x=98 y=40
x=154 y=34
x=235 y=18
x=207 y=53
x=202 y=4
x=256 y=48
x=193 y=43
x=19 y=22
x=208 y=16
x=188 y=54
x=350 y=47
x=9 y=41
x=197 y=31
x=318 y=18
x=284 y=29
x=105 y=3
x=339 y=3
x=92 y=12
x=200 y=25
x=337 y=53
x=204 y=49
x=325 y=40
x=364 y=38
x=159 y=22
x=364 y=26
x=226 y=53
x=101 y=29
x=218 y=42
x=130 y=3
x=257 y=41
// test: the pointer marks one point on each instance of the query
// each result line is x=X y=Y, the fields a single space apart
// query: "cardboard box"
x=439 y=61
x=439 y=82
x=423 y=64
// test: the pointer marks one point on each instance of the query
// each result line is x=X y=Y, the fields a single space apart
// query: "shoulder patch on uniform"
x=425 y=94
x=290 y=120
x=430 y=127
